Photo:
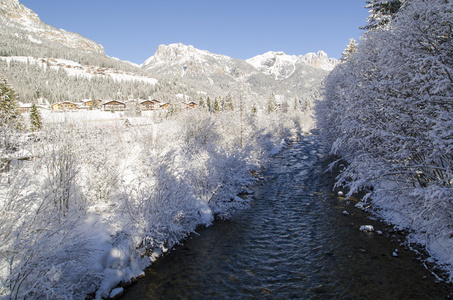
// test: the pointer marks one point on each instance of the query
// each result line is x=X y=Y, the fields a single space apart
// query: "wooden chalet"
x=89 y=102
x=189 y=105
x=165 y=105
x=150 y=105
x=114 y=105
x=65 y=105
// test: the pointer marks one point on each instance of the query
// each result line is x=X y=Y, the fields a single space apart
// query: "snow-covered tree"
x=216 y=106
x=133 y=108
x=295 y=104
x=35 y=118
x=254 y=108
x=94 y=103
x=9 y=113
x=271 y=104
x=228 y=103
x=202 y=103
x=387 y=111
x=350 y=49
x=10 y=119
x=209 y=104
x=381 y=12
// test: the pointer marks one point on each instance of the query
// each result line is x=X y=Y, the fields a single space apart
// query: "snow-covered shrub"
x=97 y=198
x=159 y=203
x=99 y=158
x=44 y=255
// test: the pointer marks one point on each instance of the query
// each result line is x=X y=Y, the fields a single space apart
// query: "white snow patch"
x=366 y=228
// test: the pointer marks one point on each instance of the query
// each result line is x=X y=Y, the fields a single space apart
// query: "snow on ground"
x=76 y=69
x=109 y=198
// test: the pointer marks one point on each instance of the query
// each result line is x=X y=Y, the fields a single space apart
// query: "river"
x=294 y=242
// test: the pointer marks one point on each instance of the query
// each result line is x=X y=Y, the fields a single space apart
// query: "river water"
x=294 y=242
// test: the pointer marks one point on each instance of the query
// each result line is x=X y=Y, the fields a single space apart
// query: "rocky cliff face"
x=319 y=60
x=15 y=15
x=187 y=61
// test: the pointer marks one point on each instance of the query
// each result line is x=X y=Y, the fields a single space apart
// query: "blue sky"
x=132 y=30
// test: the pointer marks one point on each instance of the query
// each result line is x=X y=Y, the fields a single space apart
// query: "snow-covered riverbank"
x=100 y=200
x=387 y=112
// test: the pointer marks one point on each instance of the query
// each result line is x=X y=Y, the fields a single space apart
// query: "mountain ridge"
x=178 y=53
x=18 y=15
x=287 y=76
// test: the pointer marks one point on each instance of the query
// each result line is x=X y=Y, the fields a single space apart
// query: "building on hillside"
x=156 y=102
x=114 y=105
x=150 y=105
x=165 y=105
x=189 y=105
x=88 y=102
x=64 y=106
x=146 y=105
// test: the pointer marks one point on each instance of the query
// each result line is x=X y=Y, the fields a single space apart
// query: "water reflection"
x=292 y=243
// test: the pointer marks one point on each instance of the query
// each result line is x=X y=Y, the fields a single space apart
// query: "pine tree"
x=228 y=102
x=133 y=109
x=241 y=110
x=35 y=119
x=381 y=12
x=208 y=104
x=349 y=50
x=216 y=107
x=285 y=107
x=254 y=108
x=9 y=113
x=94 y=103
x=202 y=103
x=271 y=104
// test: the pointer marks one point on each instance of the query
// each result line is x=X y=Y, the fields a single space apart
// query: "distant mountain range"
x=192 y=72
x=180 y=60
x=287 y=76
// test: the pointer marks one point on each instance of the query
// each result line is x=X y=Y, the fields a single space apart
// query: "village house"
x=65 y=105
x=165 y=105
x=114 y=105
x=146 y=105
x=88 y=102
x=150 y=105
x=189 y=105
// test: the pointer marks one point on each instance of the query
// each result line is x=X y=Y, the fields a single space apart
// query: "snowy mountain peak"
x=15 y=15
x=175 y=51
x=271 y=58
x=319 y=60
x=180 y=54
x=278 y=64
x=172 y=53
x=282 y=65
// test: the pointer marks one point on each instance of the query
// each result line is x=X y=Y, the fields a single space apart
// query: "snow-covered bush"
x=45 y=254
x=95 y=202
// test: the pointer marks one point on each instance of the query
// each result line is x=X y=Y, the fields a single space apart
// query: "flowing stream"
x=294 y=242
